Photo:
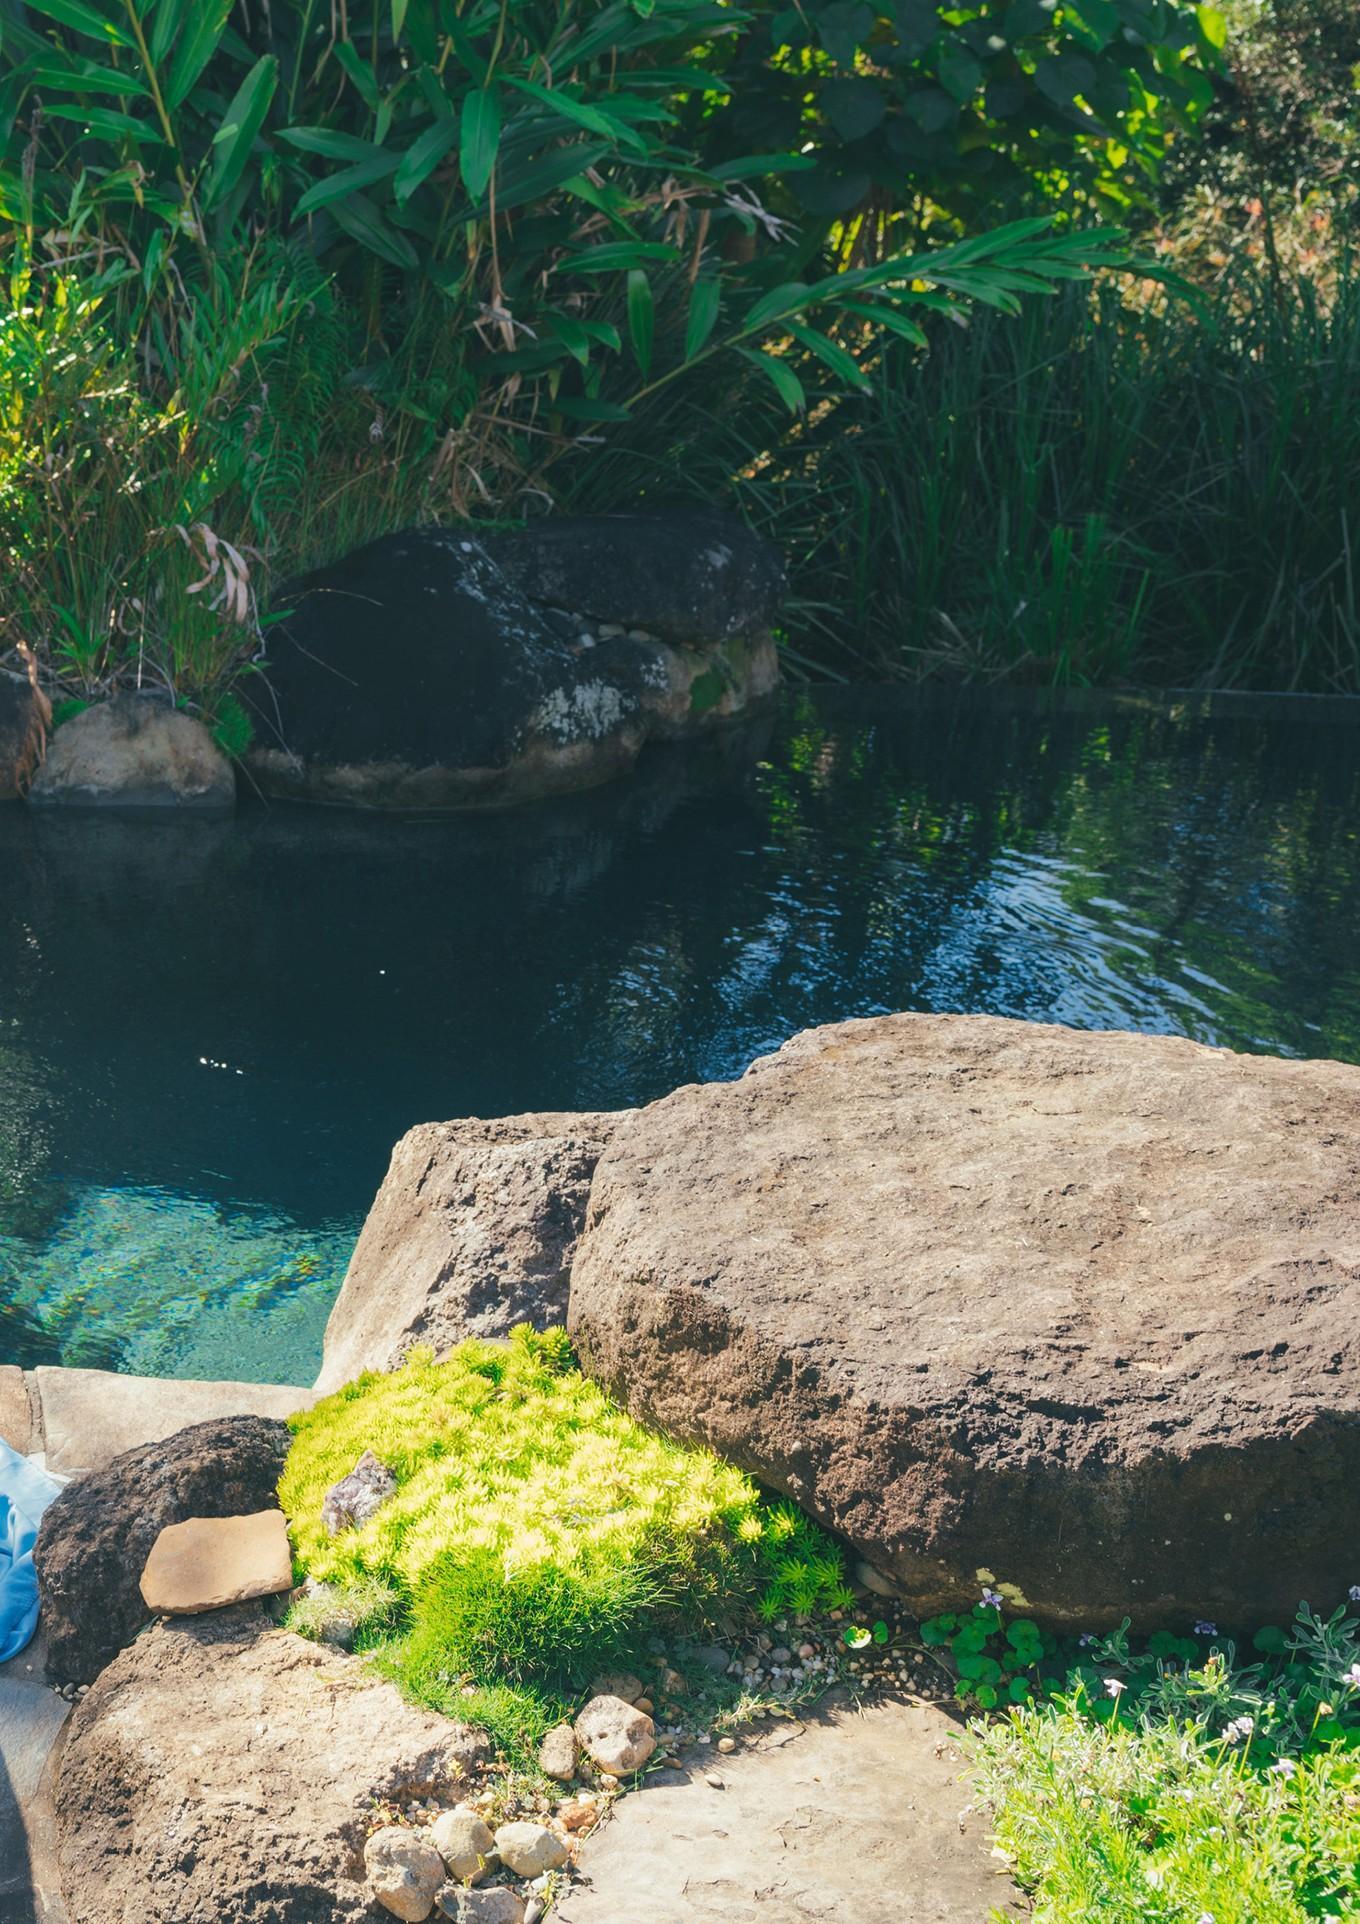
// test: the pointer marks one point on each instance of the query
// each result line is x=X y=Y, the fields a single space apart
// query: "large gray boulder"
x=1076 y=1316
x=96 y=1536
x=420 y=672
x=472 y=1232
x=222 y=1770
x=134 y=752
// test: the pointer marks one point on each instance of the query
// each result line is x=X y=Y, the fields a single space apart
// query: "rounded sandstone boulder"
x=404 y=1872
x=134 y=752
x=615 y=1736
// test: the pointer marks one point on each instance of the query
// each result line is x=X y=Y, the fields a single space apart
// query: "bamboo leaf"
x=786 y=299
x=236 y=136
x=831 y=353
x=326 y=141
x=886 y=317
x=108 y=124
x=165 y=24
x=704 y=303
x=197 y=45
x=349 y=180
x=480 y=138
x=398 y=17
x=358 y=70
x=615 y=254
x=360 y=218
x=641 y=318
x=572 y=335
x=84 y=19
x=87 y=77
x=783 y=379
x=582 y=113
x=423 y=156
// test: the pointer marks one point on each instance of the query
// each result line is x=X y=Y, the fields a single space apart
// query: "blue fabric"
x=25 y=1492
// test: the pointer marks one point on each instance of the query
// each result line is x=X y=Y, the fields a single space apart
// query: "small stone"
x=463 y=1841
x=534 y=1910
x=727 y=1745
x=618 y=1683
x=496 y=1906
x=645 y=1705
x=557 y=1754
x=530 y=1849
x=615 y=1735
x=578 y=1813
x=206 y=1563
x=806 y=1650
x=404 y=1872
x=715 y=1780
x=712 y=1657
x=780 y=1654
x=349 y=1504
x=673 y=1684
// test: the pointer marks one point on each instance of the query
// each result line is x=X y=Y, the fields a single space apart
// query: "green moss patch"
x=537 y=1531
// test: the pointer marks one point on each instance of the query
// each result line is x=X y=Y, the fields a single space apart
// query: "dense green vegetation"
x=276 y=279
x=537 y=1533
x=1181 y=1785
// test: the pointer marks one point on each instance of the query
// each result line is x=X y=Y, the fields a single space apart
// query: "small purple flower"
x=1352 y=1676
x=1282 y=1767
x=1086 y=1639
x=1206 y=1629
x=1205 y=1917
x=1354 y=1593
x=992 y=1598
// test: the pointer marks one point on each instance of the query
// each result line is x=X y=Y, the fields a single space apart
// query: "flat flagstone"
x=16 y=1417
x=206 y=1563
x=91 y=1416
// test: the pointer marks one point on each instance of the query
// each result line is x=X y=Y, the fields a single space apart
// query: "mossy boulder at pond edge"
x=440 y=669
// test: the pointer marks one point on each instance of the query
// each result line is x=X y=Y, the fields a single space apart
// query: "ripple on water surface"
x=212 y=1033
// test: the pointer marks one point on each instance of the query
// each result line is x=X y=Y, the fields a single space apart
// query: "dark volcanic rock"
x=416 y=674
x=1008 y=1304
x=472 y=1232
x=97 y=1535
x=688 y=577
x=221 y=1772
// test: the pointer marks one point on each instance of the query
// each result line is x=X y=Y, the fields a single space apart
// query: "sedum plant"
x=537 y=1529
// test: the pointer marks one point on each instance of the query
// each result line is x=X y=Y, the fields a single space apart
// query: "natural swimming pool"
x=211 y=1033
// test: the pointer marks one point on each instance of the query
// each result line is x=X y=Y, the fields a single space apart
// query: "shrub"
x=536 y=1530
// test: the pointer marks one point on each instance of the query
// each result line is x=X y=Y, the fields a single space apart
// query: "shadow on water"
x=212 y=1033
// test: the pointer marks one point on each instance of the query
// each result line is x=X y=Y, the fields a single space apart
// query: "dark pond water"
x=211 y=1034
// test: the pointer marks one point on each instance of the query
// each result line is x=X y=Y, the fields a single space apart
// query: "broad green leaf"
x=349 y=180
x=886 y=317
x=423 y=156
x=84 y=19
x=332 y=145
x=786 y=299
x=790 y=391
x=1214 y=27
x=641 y=318
x=615 y=254
x=960 y=74
x=236 y=136
x=570 y=332
x=197 y=45
x=165 y=24
x=87 y=77
x=853 y=104
x=108 y=124
x=603 y=331
x=831 y=353
x=704 y=303
x=480 y=137
x=358 y=70
x=360 y=218
x=583 y=114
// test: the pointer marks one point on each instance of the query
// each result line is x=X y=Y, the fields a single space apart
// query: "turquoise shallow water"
x=212 y=1033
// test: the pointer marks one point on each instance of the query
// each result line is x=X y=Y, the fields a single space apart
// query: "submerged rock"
x=472 y=1232
x=358 y=1497
x=419 y=673
x=96 y=1536
x=1070 y=1316
x=223 y=1770
x=134 y=752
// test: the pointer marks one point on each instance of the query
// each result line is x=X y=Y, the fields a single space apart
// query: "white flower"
x=1282 y=1767
x=1352 y=1676
x=1114 y=1688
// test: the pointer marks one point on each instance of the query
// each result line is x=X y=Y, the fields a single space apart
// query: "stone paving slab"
x=91 y=1416
x=856 y=1817
x=16 y=1417
x=31 y=1720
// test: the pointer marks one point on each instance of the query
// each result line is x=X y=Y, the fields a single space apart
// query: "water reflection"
x=210 y=1035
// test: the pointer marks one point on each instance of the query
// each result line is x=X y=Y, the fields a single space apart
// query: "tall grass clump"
x=1095 y=490
x=537 y=1531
